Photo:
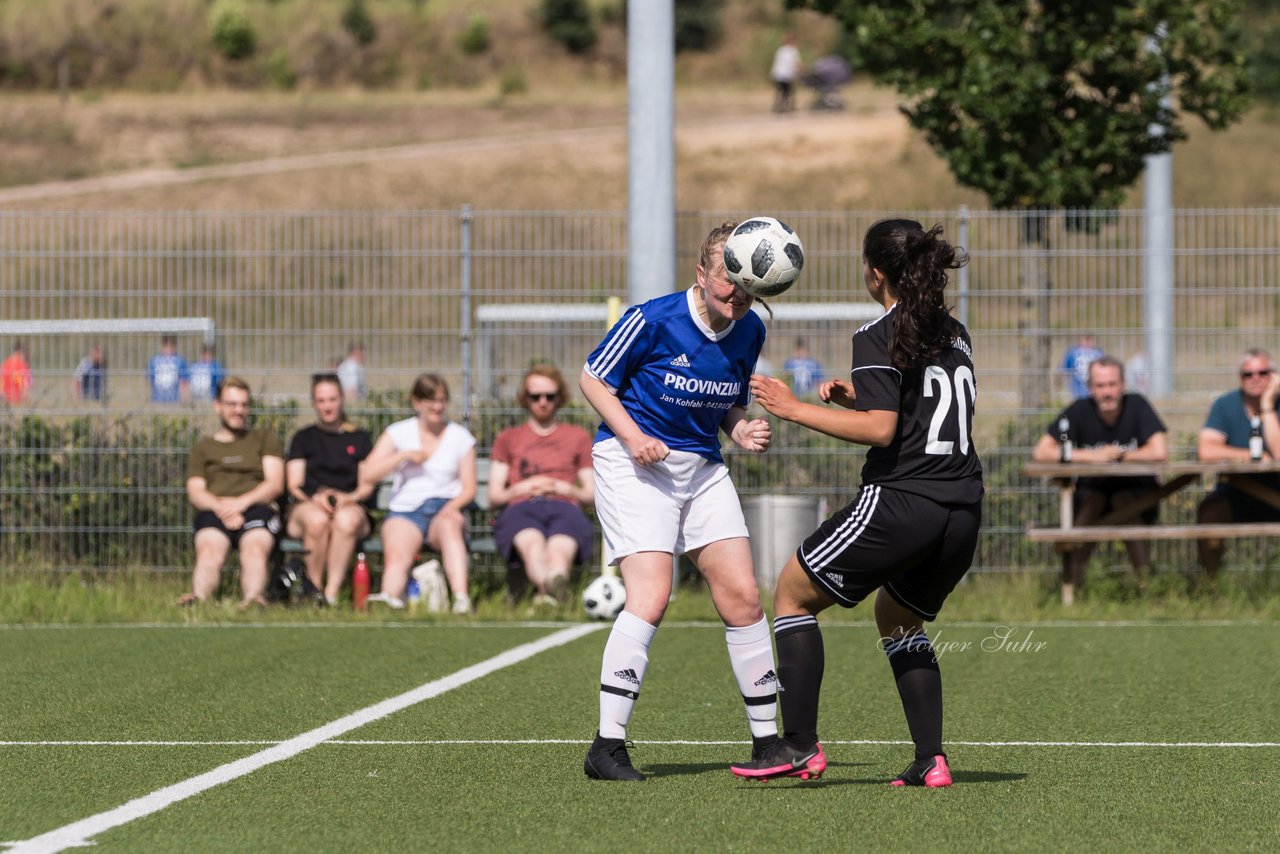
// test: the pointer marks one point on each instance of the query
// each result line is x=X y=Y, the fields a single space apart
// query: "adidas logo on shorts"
x=681 y=361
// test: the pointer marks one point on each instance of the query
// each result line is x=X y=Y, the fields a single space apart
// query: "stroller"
x=825 y=76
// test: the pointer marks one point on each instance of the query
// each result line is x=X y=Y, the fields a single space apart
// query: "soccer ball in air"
x=603 y=599
x=763 y=256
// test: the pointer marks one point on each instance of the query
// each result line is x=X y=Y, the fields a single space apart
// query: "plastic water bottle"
x=413 y=593
x=360 y=582
x=1255 y=438
x=1064 y=440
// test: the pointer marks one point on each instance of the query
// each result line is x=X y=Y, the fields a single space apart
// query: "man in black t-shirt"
x=1109 y=425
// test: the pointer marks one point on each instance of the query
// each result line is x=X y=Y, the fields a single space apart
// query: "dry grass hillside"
x=556 y=141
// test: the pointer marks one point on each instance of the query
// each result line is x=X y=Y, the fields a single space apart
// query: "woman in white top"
x=434 y=465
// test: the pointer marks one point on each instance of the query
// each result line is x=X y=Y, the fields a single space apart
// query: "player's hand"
x=839 y=392
x=753 y=435
x=774 y=395
x=647 y=450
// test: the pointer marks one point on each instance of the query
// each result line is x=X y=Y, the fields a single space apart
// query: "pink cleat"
x=932 y=772
x=780 y=759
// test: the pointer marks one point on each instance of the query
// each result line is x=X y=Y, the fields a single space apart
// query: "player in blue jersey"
x=912 y=531
x=669 y=376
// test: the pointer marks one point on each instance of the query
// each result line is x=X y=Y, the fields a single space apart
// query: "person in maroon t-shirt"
x=541 y=474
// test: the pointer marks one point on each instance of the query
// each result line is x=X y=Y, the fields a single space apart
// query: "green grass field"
x=1115 y=735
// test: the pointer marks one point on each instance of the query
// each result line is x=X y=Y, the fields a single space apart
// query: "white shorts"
x=675 y=506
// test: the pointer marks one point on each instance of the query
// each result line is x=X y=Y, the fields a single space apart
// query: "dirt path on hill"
x=804 y=141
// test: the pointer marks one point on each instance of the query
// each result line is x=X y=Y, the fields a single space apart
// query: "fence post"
x=465 y=326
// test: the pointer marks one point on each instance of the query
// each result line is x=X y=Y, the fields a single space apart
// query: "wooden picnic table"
x=1172 y=477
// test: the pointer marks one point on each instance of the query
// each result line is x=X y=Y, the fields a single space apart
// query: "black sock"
x=800 y=663
x=915 y=669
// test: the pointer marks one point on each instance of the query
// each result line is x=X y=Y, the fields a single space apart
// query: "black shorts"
x=548 y=515
x=257 y=516
x=913 y=547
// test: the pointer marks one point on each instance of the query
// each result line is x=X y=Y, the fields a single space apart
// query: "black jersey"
x=333 y=459
x=932 y=453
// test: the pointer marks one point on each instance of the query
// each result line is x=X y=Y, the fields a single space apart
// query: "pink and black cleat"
x=931 y=772
x=780 y=759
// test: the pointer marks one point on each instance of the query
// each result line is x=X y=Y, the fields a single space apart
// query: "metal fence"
x=478 y=295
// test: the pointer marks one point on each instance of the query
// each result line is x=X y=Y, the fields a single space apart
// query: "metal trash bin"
x=777 y=524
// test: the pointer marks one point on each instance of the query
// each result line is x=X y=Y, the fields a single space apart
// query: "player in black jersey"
x=912 y=530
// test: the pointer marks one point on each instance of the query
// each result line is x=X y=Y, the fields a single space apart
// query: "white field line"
x=81 y=832
x=690 y=624
x=694 y=743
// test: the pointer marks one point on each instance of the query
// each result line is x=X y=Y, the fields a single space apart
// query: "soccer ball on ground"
x=603 y=599
x=763 y=256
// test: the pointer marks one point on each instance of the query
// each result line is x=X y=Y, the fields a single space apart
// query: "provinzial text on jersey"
x=698 y=386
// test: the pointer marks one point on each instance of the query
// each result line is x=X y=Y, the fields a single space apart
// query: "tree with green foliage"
x=1050 y=105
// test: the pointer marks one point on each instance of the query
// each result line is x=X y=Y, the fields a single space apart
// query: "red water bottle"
x=360 y=582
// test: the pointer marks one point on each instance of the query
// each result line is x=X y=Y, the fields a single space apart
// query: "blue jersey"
x=166 y=374
x=677 y=378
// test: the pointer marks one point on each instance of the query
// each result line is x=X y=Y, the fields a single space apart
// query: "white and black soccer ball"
x=763 y=256
x=603 y=599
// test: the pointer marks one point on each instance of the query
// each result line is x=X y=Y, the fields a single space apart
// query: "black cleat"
x=780 y=759
x=760 y=747
x=608 y=760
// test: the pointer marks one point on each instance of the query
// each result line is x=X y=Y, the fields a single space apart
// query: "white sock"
x=751 y=656
x=626 y=656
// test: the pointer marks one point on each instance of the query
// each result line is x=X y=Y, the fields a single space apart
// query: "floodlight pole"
x=1157 y=268
x=651 y=197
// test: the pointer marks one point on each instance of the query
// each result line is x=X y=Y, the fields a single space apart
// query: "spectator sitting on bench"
x=541 y=473
x=233 y=480
x=434 y=463
x=1225 y=436
x=1107 y=426
x=329 y=509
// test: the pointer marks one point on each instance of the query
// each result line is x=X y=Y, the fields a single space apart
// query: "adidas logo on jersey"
x=681 y=361
x=627 y=675
x=766 y=679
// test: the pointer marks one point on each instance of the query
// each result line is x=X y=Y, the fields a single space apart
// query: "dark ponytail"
x=915 y=263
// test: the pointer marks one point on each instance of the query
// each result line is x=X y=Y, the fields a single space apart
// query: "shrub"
x=697 y=24
x=232 y=31
x=475 y=37
x=357 y=21
x=569 y=22
x=280 y=70
x=513 y=81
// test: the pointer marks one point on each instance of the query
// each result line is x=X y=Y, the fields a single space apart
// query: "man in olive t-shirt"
x=233 y=480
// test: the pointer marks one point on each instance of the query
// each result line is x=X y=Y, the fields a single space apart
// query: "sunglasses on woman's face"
x=543 y=395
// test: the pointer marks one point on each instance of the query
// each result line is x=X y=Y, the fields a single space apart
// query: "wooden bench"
x=480 y=528
x=1174 y=476
x=1106 y=533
